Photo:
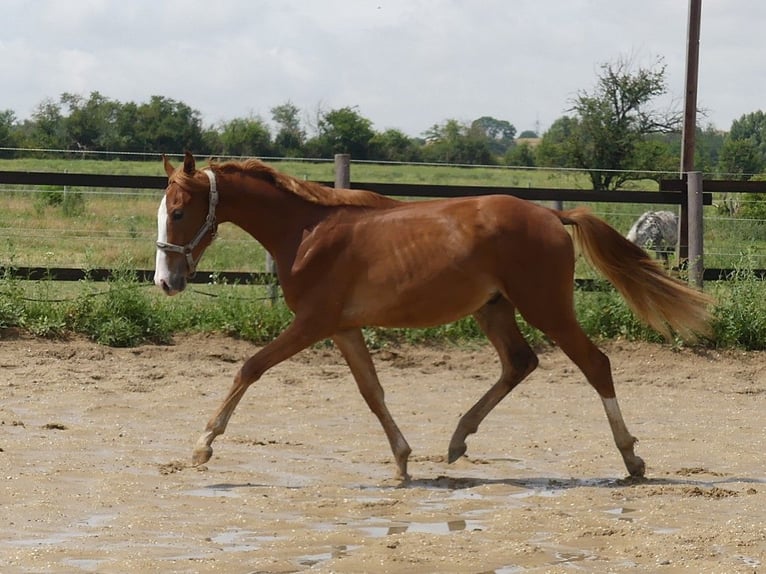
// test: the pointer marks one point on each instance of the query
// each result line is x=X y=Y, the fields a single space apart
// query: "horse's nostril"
x=165 y=286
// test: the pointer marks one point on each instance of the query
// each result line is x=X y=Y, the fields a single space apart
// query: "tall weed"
x=122 y=316
x=242 y=313
x=605 y=315
x=740 y=314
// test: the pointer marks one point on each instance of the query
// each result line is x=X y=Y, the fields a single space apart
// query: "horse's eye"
x=177 y=214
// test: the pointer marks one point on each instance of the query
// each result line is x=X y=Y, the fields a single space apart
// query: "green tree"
x=744 y=149
x=498 y=133
x=211 y=141
x=91 y=123
x=455 y=142
x=342 y=130
x=520 y=155
x=246 y=137
x=8 y=131
x=126 y=122
x=740 y=158
x=753 y=205
x=164 y=124
x=290 y=137
x=559 y=144
x=46 y=130
x=394 y=145
x=612 y=123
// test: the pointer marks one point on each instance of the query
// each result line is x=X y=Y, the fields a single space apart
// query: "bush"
x=122 y=316
x=740 y=315
x=73 y=204
x=247 y=317
x=605 y=315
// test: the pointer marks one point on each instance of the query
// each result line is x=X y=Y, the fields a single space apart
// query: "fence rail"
x=260 y=277
x=664 y=196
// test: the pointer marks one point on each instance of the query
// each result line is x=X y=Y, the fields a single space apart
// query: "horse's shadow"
x=533 y=485
x=550 y=484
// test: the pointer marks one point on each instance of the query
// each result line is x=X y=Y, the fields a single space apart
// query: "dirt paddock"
x=94 y=444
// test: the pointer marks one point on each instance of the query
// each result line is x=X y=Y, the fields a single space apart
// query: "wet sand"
x=95 y=444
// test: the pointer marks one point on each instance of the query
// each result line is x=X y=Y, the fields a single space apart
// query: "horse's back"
x=431 y=262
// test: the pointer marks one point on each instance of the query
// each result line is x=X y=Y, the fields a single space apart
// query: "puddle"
x=48 y=540
x=543 y=492
x=665 y=530
x=240 y=540
x=212 y=492
x=620 y=513
x=335 y=552
x=85 y=564
x=380 y=531
x=465 y=495
x=569 y=557
x=749 y=561
x=98 y=520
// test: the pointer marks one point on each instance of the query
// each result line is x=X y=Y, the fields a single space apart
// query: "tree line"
x=612 y=132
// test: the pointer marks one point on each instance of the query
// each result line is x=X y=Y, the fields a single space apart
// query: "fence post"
x=342 y=170
x=694 y=203
x=272 y=288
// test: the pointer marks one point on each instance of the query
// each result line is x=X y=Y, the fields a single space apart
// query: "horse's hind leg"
x=354 y=349
x=498 y=321
x=594 y=364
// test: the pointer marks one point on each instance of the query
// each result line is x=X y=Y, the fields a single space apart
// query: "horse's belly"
x=422 y=306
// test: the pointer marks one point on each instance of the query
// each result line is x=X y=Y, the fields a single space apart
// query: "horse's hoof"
x=403 y=478
x=455 y=452
x=637 y=468
x=201 y=455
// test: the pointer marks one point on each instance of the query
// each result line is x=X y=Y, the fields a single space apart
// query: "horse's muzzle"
x=171 y=285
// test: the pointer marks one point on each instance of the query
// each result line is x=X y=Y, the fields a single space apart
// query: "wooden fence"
x=672 y=192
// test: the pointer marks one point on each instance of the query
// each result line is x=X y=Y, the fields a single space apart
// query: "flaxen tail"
x=659 y=300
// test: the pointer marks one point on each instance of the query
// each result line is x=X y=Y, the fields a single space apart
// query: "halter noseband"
x=209 y=224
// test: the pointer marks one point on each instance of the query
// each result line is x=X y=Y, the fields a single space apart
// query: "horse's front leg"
x=352 y=346
x=292 y=340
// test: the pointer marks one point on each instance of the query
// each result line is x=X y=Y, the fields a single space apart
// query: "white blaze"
x=161 y=269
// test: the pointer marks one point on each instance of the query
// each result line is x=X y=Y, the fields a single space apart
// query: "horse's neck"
x=277 y=220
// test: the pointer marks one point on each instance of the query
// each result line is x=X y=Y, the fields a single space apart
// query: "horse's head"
x=186 y=224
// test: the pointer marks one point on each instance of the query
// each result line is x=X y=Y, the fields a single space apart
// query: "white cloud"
x=405 y=63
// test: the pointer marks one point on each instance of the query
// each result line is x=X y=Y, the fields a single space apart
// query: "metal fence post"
x=694 y=203
x=273 y=287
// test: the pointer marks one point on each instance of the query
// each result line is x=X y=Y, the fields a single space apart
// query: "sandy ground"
x=94 y=444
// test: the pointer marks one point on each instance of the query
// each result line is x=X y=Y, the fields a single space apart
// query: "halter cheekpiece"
x=209 y=225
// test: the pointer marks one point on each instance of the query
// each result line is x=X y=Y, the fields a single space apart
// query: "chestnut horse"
x=347 y=259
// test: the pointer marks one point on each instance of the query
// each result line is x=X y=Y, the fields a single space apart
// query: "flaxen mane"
x=308 y=190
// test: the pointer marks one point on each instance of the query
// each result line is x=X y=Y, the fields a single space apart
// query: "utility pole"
x=689 y=133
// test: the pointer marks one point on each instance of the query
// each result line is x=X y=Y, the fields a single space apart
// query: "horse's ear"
x=189 y=164
x=169 y=169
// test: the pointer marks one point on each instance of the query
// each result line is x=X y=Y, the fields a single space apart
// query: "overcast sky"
x=405 y=64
